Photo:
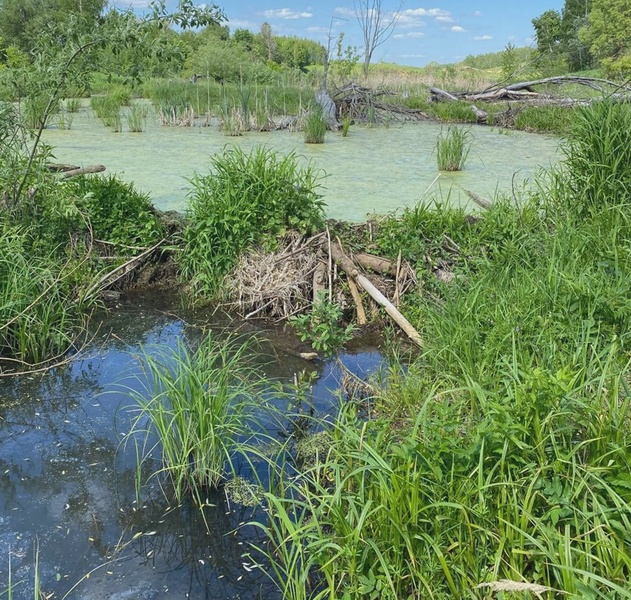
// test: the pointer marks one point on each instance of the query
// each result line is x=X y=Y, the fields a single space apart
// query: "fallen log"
x=481 y=202
x=347 y=265
x=82 y=171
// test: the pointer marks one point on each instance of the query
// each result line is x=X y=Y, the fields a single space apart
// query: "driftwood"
x=362 y=104
x=481 y=202
x=82 y=171
x=525 y=93
x=347 y=265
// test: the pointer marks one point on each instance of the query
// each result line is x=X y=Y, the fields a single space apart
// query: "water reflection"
x=372 y=170
x=67 y=482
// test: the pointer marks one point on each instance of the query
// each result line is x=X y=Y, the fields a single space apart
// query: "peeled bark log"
x=351 y=270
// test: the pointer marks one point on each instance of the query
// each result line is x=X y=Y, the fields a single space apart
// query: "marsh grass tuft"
x=452 y=149
x=200 y=406
x=314 y=126
x=137 y=117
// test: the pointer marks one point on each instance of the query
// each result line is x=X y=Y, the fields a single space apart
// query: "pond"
x=373 y=170
x=67 y=480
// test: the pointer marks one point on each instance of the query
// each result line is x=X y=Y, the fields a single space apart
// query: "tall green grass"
x=503 y=452
x=39 y=318
x=199 y=411
x=314 y=126
x=452 y=149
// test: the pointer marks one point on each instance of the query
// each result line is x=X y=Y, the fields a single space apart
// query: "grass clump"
x=545 y=119
x=137 y=117
x=452 y=149
x=314 y=126
x=200 y=405
x=246 y=199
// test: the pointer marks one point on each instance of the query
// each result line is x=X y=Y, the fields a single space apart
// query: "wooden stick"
x=82 y=171
x=351 y=270
x=361 y=313
x=481 y=202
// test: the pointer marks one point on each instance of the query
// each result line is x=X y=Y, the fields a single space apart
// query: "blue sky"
x=443 y=31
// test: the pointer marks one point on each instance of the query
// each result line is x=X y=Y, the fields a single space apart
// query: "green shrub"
x=452 y=149
x=322 y=326
x=246 y=199
x=116 y=211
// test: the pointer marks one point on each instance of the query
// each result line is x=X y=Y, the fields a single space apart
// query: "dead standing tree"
x=376 y=25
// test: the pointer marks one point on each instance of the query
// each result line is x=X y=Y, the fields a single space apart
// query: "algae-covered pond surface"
x=372 y=170
x=67 y=480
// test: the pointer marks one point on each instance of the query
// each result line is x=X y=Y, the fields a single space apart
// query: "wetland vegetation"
x=492 y=460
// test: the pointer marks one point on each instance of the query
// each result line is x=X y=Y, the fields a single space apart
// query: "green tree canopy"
x=608 y=30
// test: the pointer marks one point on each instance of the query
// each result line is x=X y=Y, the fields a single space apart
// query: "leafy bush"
x=117 y=211
x=246 y=199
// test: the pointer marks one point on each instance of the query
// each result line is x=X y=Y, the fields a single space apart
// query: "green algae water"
x=373 y=170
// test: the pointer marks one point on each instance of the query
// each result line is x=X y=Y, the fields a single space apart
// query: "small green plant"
x=314 y=126
x=201 y=406
x=137 y=118
x=346 y=125
x=73 y=105
x=322 y=326
x=452 y=149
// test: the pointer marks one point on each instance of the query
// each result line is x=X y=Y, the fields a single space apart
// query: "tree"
x=267 y=42
x=377 y=26
x=22 y=21
x=607 y=32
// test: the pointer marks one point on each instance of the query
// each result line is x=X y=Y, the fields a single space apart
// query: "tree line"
x=583 y=35
x=212 y=51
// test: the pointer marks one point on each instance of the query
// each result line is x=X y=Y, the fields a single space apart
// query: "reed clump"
x=201 y=405
x=452 y=149
x=314 y=126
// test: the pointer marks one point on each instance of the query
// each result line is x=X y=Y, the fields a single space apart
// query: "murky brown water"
x=372 y=170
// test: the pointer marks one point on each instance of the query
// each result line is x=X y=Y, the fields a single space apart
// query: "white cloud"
x=137 y=3
x=482 y=38
x=444 y=19
x=458 y=29
x=344 y=12
x=241 y=24
x=413 y=17
x=478 y=13
x=286 y=13
x=409 y=35
x=413 y=55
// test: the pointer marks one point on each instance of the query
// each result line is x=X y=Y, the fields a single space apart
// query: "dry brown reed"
x=275 y=284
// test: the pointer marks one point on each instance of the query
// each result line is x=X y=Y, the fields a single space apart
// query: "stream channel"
x=373 y=170
x=67 y=478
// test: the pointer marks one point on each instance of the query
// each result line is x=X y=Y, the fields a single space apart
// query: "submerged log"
x=329 y=111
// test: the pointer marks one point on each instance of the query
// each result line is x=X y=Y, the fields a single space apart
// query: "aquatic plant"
x=321 y=326
x=452 y=149
x=346 y=125
x=245 y=199
x=201 y=406
x=137 y=117
x=314 y=126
